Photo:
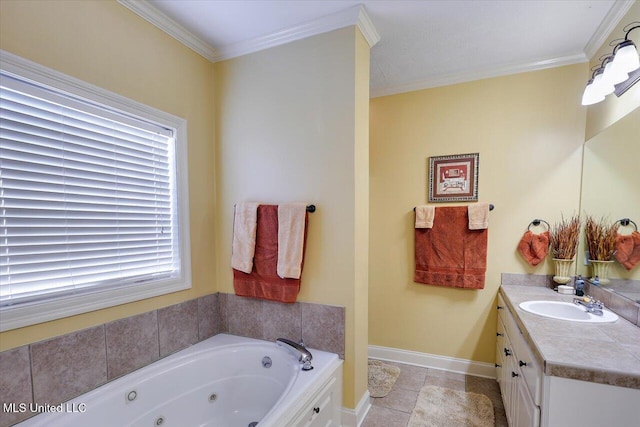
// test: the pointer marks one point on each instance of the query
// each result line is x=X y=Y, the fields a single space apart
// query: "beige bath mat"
x=438 y=407
x=381 y=378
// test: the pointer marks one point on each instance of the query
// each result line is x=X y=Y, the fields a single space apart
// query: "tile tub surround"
x=603 y=353
x=60 y=368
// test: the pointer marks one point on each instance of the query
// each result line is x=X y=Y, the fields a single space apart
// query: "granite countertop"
x=607 y=353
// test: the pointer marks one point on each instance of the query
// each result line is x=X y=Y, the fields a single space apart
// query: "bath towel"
x=291 y=227
x=244 y=236
x=424 y=216
x=478 y=216
x=628 y=249
x=449 y=254
x=263 y=281
x=534 y=247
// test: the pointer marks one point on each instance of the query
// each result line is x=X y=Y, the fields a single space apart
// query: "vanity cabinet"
x=534 y=398
x=518 y=372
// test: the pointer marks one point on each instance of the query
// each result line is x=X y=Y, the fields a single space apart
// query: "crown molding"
x=607 y=26
x=147 y=11
x=355 y=15
x=352 y=16
x=478 y=75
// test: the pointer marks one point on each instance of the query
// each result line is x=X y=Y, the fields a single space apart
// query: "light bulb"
x=626 y=58
x=591 y=94
x=614 y=75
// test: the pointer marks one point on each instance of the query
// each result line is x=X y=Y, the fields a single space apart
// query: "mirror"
x=611 y=186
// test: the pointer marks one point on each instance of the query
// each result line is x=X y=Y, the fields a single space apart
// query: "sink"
x=566 y=311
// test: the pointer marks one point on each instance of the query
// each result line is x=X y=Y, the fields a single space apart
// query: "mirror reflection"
x=611 y=189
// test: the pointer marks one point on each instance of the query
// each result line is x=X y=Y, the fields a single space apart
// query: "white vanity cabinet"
x=518 y=372
x=533 y=398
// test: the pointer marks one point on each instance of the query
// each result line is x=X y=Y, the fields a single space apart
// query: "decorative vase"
x=563 y=268
x=601 y=269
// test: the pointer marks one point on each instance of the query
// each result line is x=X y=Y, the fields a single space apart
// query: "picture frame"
x=454 y=178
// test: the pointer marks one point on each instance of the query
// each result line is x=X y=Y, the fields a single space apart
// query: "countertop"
x=607 y=353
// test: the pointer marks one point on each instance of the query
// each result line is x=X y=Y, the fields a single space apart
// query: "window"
x=93 y=197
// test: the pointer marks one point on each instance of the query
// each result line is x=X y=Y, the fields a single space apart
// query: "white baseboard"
x=468 y=367
x=355 y=417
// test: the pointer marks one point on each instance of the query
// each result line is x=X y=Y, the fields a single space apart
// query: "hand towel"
x=478 y=216
x=424 y=216
x=244 y=236
x=449 y=254
x=291 y=226
x=534 y=247
x=628 y=249
x=263 y=281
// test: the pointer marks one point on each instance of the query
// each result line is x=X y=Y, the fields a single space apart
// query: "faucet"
x=592 y=306
x=304 y=355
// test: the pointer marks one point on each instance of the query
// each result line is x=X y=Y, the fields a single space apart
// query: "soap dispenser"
x=579 y=286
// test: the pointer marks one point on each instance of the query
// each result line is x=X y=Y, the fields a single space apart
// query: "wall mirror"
x=611 y=188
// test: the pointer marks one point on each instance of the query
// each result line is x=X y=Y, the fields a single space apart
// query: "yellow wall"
x=529 y=131
x=105 y=44
x=286 y=131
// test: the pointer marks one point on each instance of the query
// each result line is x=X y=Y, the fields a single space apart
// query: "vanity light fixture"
x=614 y=69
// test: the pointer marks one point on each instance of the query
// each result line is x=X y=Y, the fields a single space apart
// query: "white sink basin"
x=566 y=311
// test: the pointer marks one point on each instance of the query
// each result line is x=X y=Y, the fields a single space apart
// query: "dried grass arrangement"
x=601 y=238
x=564 y=238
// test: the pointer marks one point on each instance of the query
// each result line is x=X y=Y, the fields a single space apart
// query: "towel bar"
x=491 y=207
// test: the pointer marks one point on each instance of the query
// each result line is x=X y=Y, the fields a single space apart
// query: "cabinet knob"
x=498 y=334
x=522 y=363
x=507 y=352
x=513 y=374
x=498 y=366
x=316 y=410
x=499 y=307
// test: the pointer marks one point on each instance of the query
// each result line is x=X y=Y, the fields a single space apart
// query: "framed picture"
x=453 y=178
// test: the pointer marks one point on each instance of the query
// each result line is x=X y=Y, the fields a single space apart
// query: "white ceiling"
x=423 y=43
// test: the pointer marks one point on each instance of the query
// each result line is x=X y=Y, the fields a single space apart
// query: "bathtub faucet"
x=304 y=355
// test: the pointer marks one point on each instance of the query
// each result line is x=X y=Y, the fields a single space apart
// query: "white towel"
x=243 y=247
x=478 y=216
x=291 y=223
x=424 y=216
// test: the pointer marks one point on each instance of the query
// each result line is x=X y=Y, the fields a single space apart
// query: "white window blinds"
x=87 y=196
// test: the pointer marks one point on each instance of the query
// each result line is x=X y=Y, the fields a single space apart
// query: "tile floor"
x=394 y=409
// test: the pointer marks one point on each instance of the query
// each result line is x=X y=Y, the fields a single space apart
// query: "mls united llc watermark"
x=37 y=408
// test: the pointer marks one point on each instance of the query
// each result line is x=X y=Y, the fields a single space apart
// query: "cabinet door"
x=527 y=413
x=508 y=384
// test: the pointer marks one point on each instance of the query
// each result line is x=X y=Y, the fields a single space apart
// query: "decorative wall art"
x=453 y=178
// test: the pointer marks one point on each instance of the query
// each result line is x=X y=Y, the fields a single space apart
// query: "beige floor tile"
x=379 y=416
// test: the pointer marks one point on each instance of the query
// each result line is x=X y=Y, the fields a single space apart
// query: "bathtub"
x=224 y=381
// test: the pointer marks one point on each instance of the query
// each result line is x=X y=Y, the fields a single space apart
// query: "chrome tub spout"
x=304 y=355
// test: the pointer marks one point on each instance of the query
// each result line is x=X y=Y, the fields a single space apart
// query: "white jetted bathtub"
x=224 y=381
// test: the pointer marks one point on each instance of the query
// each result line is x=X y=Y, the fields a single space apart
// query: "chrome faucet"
x=304 y=355
x=592 y=306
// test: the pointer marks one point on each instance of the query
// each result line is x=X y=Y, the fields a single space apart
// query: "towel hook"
x=625 y=222
x=536 y=222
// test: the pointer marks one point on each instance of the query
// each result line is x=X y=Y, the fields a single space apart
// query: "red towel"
x=534 y=247
x=628 y=249
x=263 y=281
x=449 y=254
